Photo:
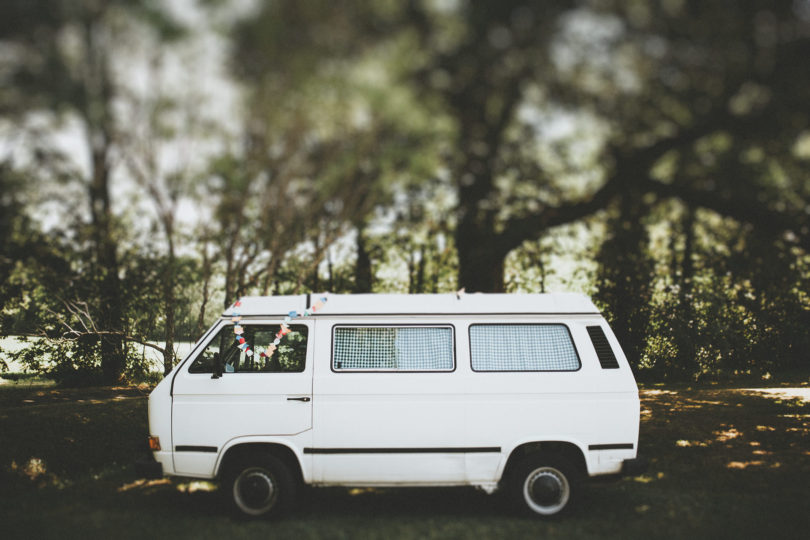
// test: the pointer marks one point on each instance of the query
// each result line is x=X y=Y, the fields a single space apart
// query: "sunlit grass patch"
x=744 y=464
x=727 y=435
x=797 y=393
x=196 y=485
x=143 y=483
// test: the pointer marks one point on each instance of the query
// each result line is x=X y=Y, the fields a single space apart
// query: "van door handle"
x=297 y=399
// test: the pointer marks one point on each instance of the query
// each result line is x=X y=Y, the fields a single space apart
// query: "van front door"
x=258 y=394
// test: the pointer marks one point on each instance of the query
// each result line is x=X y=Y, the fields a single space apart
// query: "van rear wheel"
x=544 y=485
x=259 y=485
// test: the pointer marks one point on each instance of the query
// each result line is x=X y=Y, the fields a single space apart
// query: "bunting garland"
x=284 y=329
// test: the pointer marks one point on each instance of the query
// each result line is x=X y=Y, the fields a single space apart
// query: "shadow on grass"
x=205 y=499
x=725 y=463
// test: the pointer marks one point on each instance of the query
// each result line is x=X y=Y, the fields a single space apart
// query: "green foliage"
x=72 y=362
x=457 y=144
x=624 y=279
x=739 y=312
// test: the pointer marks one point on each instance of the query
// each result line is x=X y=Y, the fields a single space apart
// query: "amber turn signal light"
x=154 y=443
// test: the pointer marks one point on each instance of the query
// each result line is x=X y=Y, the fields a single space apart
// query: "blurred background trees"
x=160 y=160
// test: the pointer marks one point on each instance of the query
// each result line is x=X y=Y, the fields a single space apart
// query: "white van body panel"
x=382 y=412
x=401 y=428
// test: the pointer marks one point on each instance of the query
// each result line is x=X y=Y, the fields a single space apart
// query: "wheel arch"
x=242 y=449
x=567 y=449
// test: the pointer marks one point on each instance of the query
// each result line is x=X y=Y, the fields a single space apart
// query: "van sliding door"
x=386 y=411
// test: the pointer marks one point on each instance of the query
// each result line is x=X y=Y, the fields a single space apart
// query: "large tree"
x=62 y=62
x=655 y=80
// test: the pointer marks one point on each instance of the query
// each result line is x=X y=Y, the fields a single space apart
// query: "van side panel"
x=385 y=428
x=594 y=408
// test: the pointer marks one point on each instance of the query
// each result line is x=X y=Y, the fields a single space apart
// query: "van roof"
x=417 y=304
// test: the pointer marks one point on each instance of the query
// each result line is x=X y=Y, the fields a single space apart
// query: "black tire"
x=259 y=485
x=544 y=485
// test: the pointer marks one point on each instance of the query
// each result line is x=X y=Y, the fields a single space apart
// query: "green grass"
x=726 y=463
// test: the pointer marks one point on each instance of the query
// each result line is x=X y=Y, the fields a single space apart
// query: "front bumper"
x=149 y=468
x=635 y=466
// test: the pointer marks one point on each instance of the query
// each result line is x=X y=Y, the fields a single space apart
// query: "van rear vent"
x=602 y=347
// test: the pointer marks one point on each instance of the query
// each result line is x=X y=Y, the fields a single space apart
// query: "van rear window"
x=392 y=348
x=522 y=347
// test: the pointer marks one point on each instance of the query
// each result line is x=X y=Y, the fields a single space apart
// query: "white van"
x=526 y=393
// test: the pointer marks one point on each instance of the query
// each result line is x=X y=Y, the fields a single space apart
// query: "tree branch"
x=631 y=171
x=742 y=209
x=73 y=334
x=81 y=312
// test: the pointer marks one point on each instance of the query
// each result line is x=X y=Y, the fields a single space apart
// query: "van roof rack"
x=417 y=304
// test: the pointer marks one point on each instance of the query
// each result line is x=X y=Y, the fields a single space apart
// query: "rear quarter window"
x=522 y=347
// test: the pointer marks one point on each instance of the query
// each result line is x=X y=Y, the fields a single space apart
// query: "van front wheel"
x=544 y=485
x=259 y=486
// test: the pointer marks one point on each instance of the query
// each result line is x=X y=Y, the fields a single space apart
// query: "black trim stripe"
x=452 y=450
x=620 y=446
x=191 y=448
x=603 y=350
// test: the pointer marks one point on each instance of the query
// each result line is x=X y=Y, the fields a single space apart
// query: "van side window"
x=393 y=348
x=522 y=347
x=289 y=356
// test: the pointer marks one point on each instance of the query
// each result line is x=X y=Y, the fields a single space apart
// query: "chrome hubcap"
x=254 y=491
x=546 y=490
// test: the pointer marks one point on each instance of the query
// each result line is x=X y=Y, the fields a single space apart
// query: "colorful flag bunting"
x=238 y=330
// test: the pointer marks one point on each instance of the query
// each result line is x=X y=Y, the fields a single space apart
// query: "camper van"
x=526 y=393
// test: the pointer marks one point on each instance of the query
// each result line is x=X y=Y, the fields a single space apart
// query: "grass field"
x=726 y=463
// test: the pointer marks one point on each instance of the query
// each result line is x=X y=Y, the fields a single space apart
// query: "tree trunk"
x=205 y=292
x=686 y=345
x=316 y=278
x=330 y=269
x=480 y=258
x=169 y=298
x=362 y=270
x=229 y=272
x=411 y=272
x=113 y=358
x=420 y=271
x=97 y=116
x=479 y=272
x=625 y=275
